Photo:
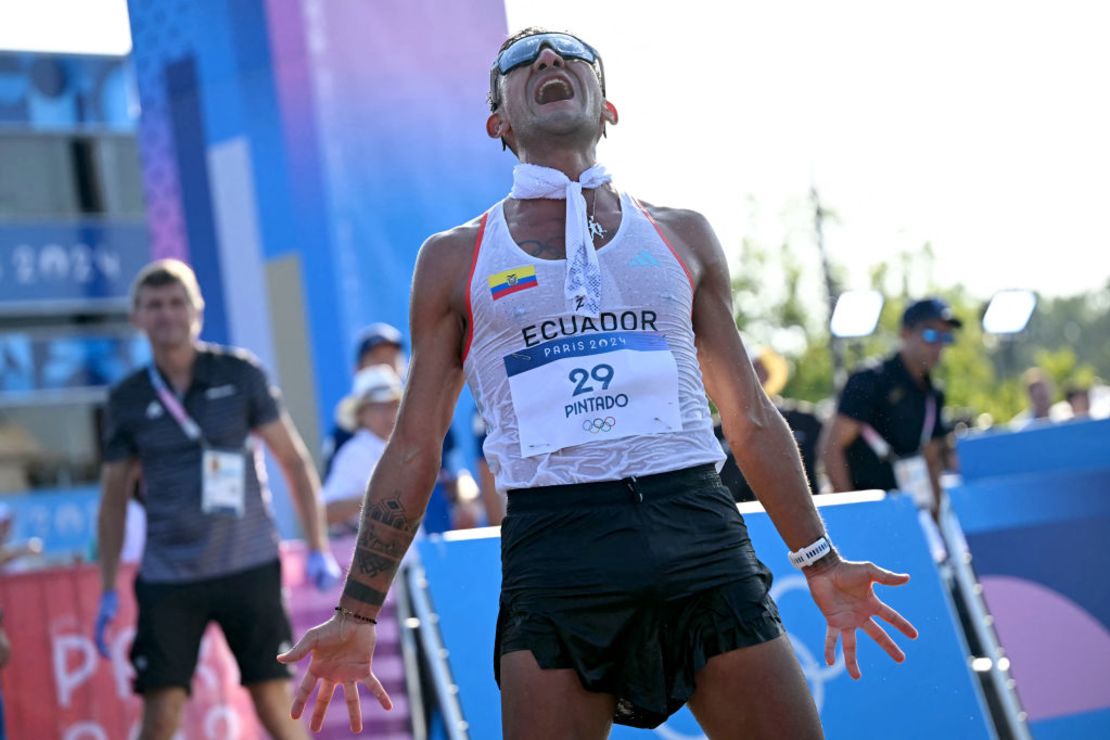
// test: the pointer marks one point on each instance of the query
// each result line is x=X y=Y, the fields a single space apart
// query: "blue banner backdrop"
x=1034 y=508
x=33 y=363
x=64 y=520
x=932 y=695
x=84 y=263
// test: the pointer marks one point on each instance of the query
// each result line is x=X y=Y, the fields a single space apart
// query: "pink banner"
x=56 y=685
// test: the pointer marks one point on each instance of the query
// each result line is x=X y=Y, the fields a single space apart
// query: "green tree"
x=1068 y=337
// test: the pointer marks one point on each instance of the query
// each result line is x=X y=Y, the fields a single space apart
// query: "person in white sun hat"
x=369 y=412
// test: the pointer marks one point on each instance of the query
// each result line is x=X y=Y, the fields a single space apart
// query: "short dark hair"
x=167 y=272
x=1072 y=391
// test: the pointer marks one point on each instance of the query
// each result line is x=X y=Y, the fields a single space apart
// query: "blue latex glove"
x=109 y=605
x=322 y=570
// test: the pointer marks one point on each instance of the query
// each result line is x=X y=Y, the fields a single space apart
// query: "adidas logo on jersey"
x=643 y=259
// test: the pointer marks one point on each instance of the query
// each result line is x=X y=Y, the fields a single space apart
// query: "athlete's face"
x=552 y=96
x=166 y=315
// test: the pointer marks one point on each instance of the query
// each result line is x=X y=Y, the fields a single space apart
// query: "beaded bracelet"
x=357 y=617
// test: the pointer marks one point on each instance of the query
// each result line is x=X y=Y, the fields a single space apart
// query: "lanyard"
x=177 y=411
x=882 y=448
x=930 y=419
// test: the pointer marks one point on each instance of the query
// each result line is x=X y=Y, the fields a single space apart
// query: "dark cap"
x=929 y=308
x=376 y=334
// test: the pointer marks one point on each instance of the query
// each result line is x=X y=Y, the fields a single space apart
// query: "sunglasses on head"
x=932 y=336
x=525 y=51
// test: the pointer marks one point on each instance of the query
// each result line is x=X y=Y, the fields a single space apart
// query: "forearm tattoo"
x=361 y=592
x=383 y=538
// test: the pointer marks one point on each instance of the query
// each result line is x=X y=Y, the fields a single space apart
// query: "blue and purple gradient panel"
x=365 y=127
x=1035 y=512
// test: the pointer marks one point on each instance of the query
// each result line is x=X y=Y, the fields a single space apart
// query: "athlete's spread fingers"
x=300 y=699
x=886 y=577
x=354 y=707
x=323 y=699
x=849 y=637
x=830 y=644
x=898 y=621
x=879 y=635
x=379 y=692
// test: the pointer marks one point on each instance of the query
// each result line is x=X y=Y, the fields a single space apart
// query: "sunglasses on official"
x=526 y=50
x=932 y=336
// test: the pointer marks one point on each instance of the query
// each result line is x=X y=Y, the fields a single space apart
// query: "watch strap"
x=812 y=553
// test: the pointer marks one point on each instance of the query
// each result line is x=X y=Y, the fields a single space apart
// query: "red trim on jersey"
x=470 y=284
x=666 y=241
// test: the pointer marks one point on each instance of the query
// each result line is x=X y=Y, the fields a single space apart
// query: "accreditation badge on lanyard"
x=585 y=389
x=911 y=473
x=223 y=483
x=222 y=472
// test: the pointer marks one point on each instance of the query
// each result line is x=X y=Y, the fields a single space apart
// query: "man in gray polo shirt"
x=184 y=426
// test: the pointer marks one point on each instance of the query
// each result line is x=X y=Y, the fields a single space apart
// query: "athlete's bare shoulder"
x=454 y=244
x=443 y=265
x=690 y=234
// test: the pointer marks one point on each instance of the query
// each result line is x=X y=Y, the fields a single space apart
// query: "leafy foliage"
x=780 y=303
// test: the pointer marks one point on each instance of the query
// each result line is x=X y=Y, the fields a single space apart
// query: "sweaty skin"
x=563 y=135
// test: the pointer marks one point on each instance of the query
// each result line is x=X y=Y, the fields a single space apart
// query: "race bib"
x=223 y=482
x=604 y=386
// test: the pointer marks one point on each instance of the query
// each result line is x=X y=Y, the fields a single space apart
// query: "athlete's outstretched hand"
x=341 y=650
x=845 y=593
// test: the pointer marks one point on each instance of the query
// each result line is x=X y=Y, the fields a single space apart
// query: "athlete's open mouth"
x=554 y=90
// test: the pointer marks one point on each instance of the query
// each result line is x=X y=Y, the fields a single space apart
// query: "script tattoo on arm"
x=383 y=538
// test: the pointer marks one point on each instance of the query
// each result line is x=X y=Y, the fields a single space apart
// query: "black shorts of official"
x=634 y=584
x=173 y=617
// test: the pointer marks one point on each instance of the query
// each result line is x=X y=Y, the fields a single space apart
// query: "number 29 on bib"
x=599 y=387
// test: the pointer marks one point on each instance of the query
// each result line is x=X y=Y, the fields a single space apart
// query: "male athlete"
x=589 y=327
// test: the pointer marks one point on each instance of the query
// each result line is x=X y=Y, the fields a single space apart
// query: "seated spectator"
x=452 y=505
x=1039 y=391
x=1079 y=399
x=378 y=344
x=368 y=414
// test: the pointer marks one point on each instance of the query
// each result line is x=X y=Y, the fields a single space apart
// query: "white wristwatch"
x=811 y=554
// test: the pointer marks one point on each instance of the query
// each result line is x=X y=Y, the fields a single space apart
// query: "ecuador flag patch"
x=512 y=281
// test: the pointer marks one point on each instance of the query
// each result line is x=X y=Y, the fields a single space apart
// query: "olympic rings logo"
x=596 y=426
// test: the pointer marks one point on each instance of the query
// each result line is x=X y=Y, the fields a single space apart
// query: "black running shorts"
x=173 y=617
x=635 y=584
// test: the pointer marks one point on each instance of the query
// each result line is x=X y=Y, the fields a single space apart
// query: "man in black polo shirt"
x=185 y=426
x=888 y=432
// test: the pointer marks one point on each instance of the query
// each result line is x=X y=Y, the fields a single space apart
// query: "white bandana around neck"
x=583 y=283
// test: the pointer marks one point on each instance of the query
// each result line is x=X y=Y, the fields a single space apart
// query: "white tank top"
x=568 y=399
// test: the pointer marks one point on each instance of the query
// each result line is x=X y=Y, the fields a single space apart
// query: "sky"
x=976 y=127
